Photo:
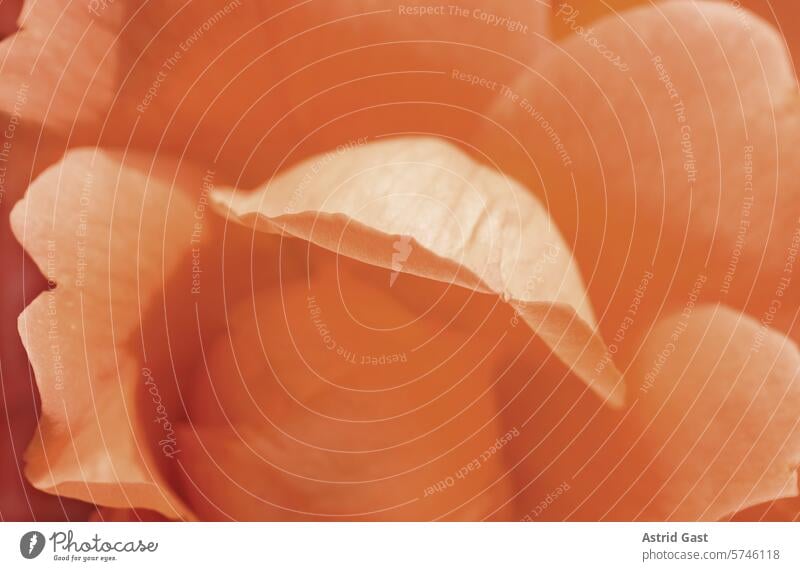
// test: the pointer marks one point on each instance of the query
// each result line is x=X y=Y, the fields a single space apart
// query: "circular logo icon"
x=31 y=544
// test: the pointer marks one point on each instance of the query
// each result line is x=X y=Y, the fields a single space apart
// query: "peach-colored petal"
x=567 y=15
x=253 y=84
x=710 y=429
x=26 y=155
x=717 y=402
x=57 y=70
x=98 y=231
x=664 y=146
x=330 y=399
x=420 y=206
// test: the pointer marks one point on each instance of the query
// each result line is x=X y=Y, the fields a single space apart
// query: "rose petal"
x=647 y=177
x=330 y=399
x=569 y=14
x=711 y=429
x=253 y=84
x=55 y=70
x=97 y=229
x=26 y=153
x=420 y=206
x=718 y=409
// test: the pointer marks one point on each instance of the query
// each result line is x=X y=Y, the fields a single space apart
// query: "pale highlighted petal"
x=99 y=232
x=420 y=206
x=663 y=141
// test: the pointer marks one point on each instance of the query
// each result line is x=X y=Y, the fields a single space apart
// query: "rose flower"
x=375 y=261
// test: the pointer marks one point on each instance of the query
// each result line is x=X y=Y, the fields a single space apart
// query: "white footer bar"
x=407 y=547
